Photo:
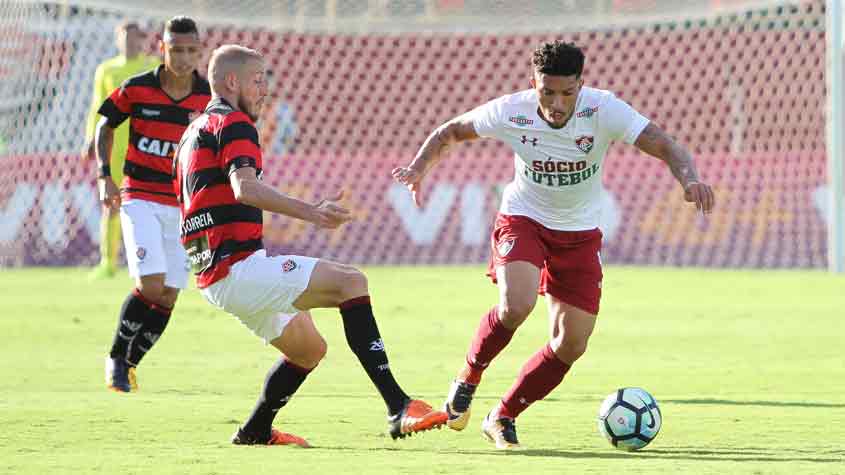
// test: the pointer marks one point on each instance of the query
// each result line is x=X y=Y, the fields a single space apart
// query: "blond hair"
x=229 y=59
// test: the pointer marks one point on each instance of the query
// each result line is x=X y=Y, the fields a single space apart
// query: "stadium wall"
x=747 y=98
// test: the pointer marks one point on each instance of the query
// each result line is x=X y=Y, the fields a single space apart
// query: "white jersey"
x=557 y=180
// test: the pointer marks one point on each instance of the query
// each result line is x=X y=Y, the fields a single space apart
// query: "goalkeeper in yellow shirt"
x=109 y=76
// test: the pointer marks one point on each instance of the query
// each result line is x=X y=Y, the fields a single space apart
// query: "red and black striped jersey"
x=217 y=230
x=156 y=122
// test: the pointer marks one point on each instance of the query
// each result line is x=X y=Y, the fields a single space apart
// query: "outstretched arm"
x=249 y=190
x=434 y=148
x=657 y=143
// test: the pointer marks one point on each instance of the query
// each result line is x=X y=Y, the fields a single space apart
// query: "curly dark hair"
x=181 y=24
x=557 y=58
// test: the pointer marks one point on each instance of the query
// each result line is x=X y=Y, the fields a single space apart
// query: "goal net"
x=358 y=84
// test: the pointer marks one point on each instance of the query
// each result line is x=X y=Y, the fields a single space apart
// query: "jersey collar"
x=195 y=83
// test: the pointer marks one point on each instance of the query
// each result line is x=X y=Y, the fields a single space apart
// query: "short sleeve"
x=117 y=107
x=239 y=145
x=487 y=118
x=621 y=121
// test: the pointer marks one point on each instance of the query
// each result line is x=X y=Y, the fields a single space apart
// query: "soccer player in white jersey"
x=546 y=235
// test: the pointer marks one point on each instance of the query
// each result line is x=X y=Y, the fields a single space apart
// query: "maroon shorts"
x=569 y=260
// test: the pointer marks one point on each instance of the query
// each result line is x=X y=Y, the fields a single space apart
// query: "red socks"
x=538 y=377
x=490 y=339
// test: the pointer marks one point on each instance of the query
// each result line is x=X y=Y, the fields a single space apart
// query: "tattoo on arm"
x=659 y=144
x=437 y=144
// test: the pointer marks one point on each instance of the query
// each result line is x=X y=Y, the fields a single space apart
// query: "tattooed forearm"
x=659 y=144
x=437 y=144
x=680 y=163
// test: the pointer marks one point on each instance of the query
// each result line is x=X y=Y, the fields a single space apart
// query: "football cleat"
x=416 y=416
x=457 y=405
x=117 y=375
x=276 y=438
x=500 y=431
x=133 y=379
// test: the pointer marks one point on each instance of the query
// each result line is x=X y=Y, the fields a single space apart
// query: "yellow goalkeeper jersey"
x=109 y=76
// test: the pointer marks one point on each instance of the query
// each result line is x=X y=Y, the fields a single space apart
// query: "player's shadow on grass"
x=733 y=454
x=730 y=402
x=715 y=455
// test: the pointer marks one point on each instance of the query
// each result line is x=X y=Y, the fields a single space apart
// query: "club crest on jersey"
x=504 y=247
x=584 y=143
x=141 y=253
x=289 y=265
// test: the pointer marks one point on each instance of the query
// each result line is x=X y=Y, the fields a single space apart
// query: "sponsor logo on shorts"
x=504 y=247
x=377 y=345
x=584 y=143
x=141 y=253
x=289 y=265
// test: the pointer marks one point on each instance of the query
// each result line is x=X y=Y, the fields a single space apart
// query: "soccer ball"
x=629 y=418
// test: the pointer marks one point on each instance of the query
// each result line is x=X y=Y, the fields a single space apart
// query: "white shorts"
x=151 y=237
x=260 y=291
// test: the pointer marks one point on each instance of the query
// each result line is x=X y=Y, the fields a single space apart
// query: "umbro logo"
x=377 y=345
x=150 y=112
x=152 y=337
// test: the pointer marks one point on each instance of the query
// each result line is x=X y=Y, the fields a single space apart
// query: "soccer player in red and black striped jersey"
x=159 y=105
x=218 y=177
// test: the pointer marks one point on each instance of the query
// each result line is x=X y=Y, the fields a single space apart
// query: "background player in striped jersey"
x=218 y=168
x=108 y=77
x=546 y=235
x=159 y=105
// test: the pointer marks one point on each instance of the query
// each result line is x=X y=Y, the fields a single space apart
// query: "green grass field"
x=747 y=367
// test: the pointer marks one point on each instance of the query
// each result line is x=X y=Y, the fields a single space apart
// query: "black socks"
x=364 y=339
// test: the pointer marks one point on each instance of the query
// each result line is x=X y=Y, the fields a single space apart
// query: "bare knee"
x=311 y=356
x=514 y=311
x=168 y=297
x=353 y=284
x=320 y=348
x=151 y=289
x=569 y=350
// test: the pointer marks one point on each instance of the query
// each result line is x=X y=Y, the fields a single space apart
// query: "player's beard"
x=548 y=116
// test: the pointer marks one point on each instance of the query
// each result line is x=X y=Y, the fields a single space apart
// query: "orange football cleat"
x=276 y=438
x=416 y=416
